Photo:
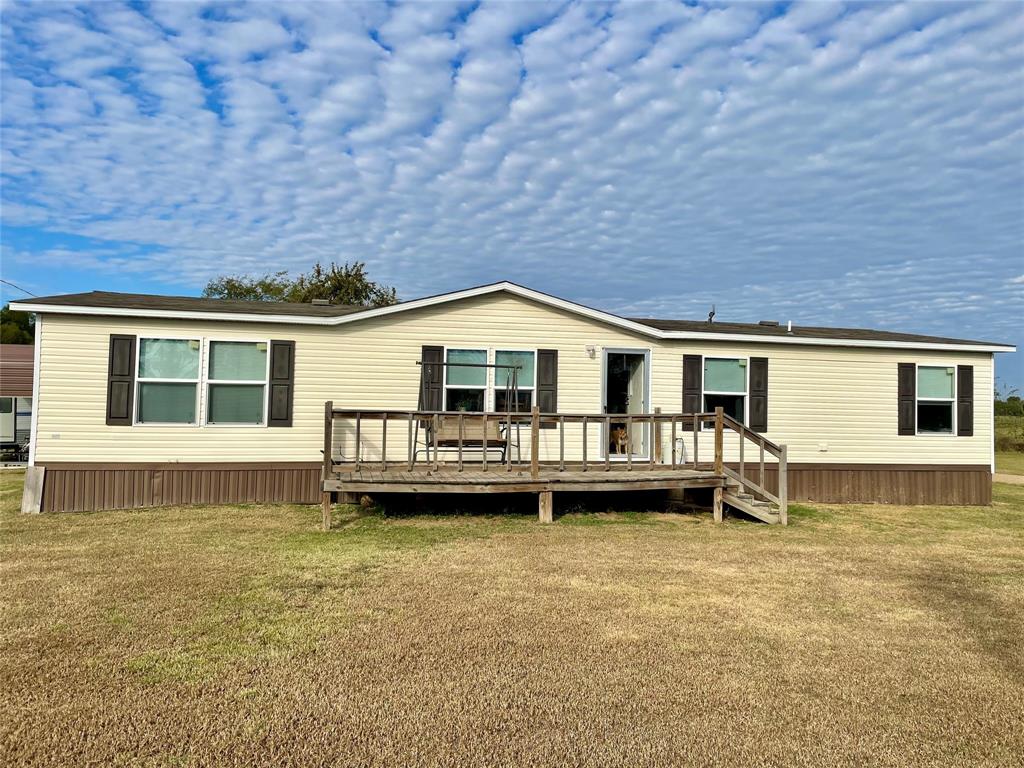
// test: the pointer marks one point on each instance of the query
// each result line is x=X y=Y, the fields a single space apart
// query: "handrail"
x=744 y=431
x=423 y=427
x=430 y=424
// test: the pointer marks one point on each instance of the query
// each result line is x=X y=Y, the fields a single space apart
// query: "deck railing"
x=453 y=439
x=745 y=478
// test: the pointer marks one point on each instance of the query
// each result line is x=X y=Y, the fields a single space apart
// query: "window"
x=168 y=376
x=465 y=384
x=935 y=397
x=725 y=386
x=526 y=380
x=236 y=382
x=6 y=405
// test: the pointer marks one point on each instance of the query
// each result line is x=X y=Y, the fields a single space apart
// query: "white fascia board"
x=517 y=290
x=826 y=342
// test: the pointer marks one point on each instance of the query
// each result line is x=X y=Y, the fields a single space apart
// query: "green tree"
x=344 y=284
x=16 y=327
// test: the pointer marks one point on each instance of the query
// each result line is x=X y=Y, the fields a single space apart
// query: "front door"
x=625 y=392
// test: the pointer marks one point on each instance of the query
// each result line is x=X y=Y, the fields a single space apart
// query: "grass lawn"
x=860 y=635
x=1012 y=463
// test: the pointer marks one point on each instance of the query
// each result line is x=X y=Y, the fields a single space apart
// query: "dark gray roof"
x=141 y=301
x=111 y=300
x=799 y=331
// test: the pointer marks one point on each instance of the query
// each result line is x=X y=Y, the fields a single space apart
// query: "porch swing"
x=480 y=431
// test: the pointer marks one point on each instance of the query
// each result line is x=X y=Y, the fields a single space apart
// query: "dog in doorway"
x=620 y=439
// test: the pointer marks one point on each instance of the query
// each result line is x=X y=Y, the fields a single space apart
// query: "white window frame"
x=489 y=387
x=139 y=381
x=919 y=399
x=207 y=381
x=444 y=376
x=746 y=385
x=493 y=378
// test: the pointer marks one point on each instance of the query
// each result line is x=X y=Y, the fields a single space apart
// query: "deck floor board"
x=448 y=479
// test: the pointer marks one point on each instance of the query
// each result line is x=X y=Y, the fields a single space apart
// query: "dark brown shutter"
x=431 y=379
x=693 y=375
x=547 y=383
x=907 y=397
x=759 y=394
x=120 y=380
x=965 y=400
x=282 y=383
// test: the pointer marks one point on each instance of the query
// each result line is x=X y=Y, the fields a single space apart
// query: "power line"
x=8 y=282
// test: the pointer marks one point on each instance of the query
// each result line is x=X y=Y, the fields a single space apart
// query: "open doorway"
x=626 y=391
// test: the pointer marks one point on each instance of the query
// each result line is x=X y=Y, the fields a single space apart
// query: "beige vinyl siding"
x=842 y=398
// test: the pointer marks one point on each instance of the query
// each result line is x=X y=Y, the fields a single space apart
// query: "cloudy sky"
x=852 y=165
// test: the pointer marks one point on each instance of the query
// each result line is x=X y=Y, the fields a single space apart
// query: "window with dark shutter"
x=282 y=383
x=431 y=378
x=547 y=383
x=693 y=373
x=120 y=380
x=759 y=394
x=906 y=398
x=965 y=400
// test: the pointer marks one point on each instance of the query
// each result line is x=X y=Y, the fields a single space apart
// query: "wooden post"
x=561 y=443
x=328 y=439
x=486 y=446
x=717 y=509
x=656 y=437
x=629 y=443
x=673 y=442
x=584 y=443
x=743 y=439
x=462 y=426
x=696 y=439
x=358 y=438
x=535 y=442
x=783 y=488
x=607 y=442
x=719 y=425
x=326 y=511
x=435 y=424
x=411 y=439
x=546 y=506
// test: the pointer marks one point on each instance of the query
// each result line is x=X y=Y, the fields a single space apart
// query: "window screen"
x=168 y=381
x=459 y=374
x=725 y=375
x=935 y=390
x=167 y=403
x=169 y=359
x=236 y=393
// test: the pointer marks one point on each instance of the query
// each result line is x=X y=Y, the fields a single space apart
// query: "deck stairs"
x=736 y=497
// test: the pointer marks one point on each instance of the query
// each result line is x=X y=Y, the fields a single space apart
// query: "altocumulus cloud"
x=855 y=164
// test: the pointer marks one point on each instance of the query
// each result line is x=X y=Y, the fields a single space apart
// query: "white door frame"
x=605 y=439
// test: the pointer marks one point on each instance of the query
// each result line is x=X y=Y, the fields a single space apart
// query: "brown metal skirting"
x=78 y=487
x=944 y=484
x=82 y=486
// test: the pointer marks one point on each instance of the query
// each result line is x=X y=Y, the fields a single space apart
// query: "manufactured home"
x=148 y=400
x=16 y=367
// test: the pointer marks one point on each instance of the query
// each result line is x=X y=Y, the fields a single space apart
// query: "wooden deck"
x=449 y=479
x=360 y=462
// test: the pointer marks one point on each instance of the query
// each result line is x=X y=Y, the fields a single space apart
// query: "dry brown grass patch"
x=242 y=635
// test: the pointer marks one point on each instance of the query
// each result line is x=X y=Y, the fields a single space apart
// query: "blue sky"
x=857 y=165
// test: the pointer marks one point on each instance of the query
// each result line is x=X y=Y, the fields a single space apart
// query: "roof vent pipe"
x=789 y=327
